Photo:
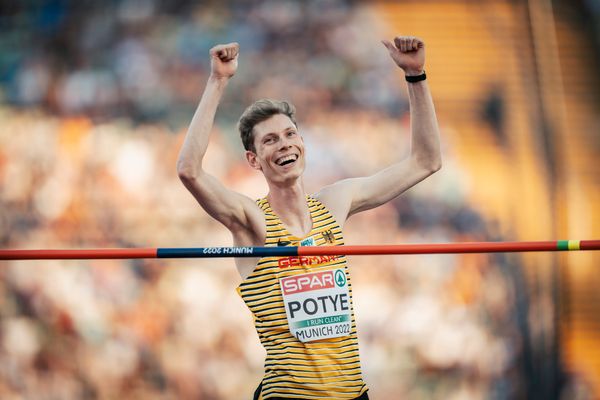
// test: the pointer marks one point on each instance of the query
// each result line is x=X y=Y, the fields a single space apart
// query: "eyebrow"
x=285 y=130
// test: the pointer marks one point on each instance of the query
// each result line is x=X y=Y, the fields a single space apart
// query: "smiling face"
x=279 y=150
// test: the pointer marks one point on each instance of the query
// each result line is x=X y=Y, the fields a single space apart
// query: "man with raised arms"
x=308 y=332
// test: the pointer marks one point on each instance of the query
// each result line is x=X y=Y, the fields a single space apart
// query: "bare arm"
x=232 y=209
x=351 y=196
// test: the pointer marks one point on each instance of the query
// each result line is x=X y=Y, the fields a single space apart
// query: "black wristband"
x=416 y=78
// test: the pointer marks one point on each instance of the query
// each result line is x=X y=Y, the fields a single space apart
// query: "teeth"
x=291 y=157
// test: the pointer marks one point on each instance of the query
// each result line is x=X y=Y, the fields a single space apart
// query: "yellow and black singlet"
x=303 y=314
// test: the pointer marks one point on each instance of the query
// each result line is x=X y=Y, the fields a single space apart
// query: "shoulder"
x=337 y=198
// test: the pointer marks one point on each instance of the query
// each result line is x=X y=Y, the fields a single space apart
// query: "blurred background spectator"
x=96 y=96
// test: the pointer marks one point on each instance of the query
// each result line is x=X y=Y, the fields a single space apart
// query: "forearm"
x=425 y=136
x=198 y=133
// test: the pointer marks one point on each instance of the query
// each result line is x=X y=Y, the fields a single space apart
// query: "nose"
x=285 y=142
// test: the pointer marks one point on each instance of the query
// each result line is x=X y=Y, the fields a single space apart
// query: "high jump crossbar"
x=295 y=251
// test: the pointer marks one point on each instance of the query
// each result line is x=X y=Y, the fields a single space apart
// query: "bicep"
x=354 y=195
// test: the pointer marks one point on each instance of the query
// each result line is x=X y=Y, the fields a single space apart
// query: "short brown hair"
x=260 y=111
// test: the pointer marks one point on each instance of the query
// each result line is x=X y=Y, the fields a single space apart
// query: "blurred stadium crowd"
x=146 y=59
x=96 y=98
x=176 y=329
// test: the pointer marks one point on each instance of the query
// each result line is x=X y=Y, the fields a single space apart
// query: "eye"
x=269 y=140
x=291 y=133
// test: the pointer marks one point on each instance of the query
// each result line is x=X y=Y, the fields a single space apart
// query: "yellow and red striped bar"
x=220 y=252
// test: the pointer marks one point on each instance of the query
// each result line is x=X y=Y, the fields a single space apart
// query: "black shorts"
x=364 y=396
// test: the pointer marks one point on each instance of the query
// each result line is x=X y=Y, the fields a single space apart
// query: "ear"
x=253 y=160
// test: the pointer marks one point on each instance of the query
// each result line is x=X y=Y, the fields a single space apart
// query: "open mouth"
x=286 y=160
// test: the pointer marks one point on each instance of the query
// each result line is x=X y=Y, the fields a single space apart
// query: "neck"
x=289 y=203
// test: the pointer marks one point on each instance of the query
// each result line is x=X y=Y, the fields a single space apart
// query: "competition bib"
x=317 y=305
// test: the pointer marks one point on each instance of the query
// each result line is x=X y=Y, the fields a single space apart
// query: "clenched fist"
x=408 y=52
x=224 y=60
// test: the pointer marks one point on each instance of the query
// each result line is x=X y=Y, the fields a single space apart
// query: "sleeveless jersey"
x=318 y=369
